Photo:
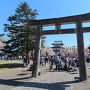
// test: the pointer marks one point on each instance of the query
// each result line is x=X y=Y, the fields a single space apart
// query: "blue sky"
x=49 y=9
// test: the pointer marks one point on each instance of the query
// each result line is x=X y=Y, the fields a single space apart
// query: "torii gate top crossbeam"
x=59 y=21
x=62 y=20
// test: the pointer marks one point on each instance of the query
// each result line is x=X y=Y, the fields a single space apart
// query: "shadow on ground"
x=11 y=65
x=50 y=86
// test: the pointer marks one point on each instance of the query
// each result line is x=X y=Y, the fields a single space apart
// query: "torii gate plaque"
x=57 y=22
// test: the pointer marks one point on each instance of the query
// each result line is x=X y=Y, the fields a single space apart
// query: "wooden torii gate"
x=57 y=22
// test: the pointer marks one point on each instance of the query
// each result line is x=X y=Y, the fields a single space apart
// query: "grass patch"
x=7 y=65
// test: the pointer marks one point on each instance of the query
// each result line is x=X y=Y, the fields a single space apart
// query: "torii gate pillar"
x=80 y=44
x=36 y=53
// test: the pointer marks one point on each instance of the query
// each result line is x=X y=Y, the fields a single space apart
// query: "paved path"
x=19 y=79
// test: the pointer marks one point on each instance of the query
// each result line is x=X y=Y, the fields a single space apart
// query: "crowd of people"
x=57 y=63
x=60 y=62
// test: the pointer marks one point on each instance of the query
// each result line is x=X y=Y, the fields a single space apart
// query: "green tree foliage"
x=20 y=41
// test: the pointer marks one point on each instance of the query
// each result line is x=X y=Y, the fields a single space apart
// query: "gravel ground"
x=47 y=81
x=57 y=81
x=50 y=81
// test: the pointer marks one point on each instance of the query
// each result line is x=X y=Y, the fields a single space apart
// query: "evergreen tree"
x=20 y=41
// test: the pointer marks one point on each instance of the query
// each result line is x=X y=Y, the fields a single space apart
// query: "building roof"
x=57 y=43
